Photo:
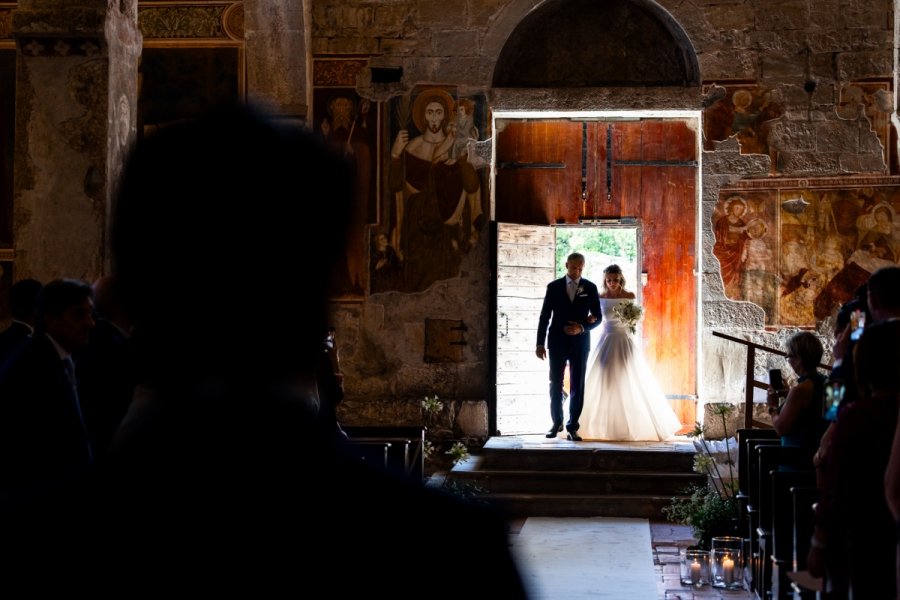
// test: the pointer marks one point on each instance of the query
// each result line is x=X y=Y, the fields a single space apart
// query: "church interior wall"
x=820 y=83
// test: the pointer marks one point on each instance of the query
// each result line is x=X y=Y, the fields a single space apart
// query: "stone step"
x=589 y=459
x=606 y=481
x=531 y=476
x=639 y=506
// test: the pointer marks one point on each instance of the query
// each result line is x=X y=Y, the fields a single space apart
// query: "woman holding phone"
x=798 y=419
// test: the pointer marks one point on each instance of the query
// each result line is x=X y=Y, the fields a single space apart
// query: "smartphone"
x=775 y=379
x=857 y=324
x=834 y=393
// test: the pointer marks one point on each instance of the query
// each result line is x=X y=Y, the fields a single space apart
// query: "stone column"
x=279 y=63
x=76 y=99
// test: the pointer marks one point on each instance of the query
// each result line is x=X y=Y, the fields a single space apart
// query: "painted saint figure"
x=437 y=210
x=731 y=237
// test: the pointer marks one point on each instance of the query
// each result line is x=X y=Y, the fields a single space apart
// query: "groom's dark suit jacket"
x=558 y=310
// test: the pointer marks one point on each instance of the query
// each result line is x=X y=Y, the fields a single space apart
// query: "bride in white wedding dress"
x=622 y=399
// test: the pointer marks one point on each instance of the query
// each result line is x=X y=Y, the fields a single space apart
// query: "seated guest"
x=43 y=440
x=798 y=420
x=854 y=544
x=23 y=299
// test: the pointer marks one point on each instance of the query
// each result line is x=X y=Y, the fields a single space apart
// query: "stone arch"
x=584 y=43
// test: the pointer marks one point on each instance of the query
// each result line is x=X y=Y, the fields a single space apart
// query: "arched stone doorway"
x=596 y=117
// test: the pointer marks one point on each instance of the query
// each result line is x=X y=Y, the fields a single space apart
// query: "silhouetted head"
x=884 y=293
x=223 y=244
x=66 y=312
x=23 y=300
x=876 y=359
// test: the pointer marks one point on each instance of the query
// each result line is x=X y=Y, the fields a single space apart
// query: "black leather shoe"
x=554 y=430
x=573 y=435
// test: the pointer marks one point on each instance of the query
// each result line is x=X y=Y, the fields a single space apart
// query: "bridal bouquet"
x=629 y=314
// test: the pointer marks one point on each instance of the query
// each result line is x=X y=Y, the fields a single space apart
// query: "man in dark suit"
x=43 y=440
x=23 y=299
x=107 y=367
x=567 y=304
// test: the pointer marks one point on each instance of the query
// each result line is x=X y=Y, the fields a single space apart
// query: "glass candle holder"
x=726 y=562
x=694 y=566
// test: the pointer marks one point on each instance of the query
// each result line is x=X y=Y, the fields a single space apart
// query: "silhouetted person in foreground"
x=220 y=479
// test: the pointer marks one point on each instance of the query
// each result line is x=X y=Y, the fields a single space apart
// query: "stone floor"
x=666 y=540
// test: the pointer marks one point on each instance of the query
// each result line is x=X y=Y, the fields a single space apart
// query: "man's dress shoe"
x=554 y=430
x=573 y=435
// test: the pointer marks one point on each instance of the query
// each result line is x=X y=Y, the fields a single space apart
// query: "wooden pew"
x=771 y=458
x=744 y=471
x=371 y=452
x=804 y=508
x=783 y=515
x=406 y=453
x=749 y=468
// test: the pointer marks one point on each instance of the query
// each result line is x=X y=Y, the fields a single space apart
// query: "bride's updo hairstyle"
x=613 y=270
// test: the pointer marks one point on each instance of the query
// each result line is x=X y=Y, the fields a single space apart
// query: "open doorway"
x=528 y=258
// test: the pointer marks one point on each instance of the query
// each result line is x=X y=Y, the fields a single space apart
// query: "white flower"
x=579 y=291
x=629 y=314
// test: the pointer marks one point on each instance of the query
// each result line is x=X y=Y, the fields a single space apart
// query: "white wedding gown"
x=622 y=399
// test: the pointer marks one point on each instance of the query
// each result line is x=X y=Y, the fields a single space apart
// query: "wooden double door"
x=640 y=173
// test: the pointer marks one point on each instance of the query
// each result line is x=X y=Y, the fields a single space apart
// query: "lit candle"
x=728 y=570
x=695 y=572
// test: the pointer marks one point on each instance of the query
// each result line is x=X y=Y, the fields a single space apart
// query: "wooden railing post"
x=748 y=388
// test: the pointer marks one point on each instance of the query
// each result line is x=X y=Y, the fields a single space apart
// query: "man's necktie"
x=571 y=289
x=69 y=367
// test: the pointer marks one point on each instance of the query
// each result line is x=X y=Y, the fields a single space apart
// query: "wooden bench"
x=804 y=508
x=783 y=516
x=771 y=458
x=748 y=478
x=406 y=451
x=744 y=471
x=371 y=452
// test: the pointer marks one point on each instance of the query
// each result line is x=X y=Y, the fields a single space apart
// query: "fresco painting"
x=801 y=248
x=435 y=207
x=350 y=123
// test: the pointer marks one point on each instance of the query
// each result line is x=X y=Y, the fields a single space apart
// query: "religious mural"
x=745 y=110
x=800 y=248
x=871 y=99
x=435 y=203
x=749 y=111
x=350 y=123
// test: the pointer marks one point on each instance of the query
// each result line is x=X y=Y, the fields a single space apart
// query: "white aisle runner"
x=586 y=557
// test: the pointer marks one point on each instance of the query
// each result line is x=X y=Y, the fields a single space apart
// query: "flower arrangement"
x=459 y=452
x=432 y=407
x=629 y=314
x=711 y=509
